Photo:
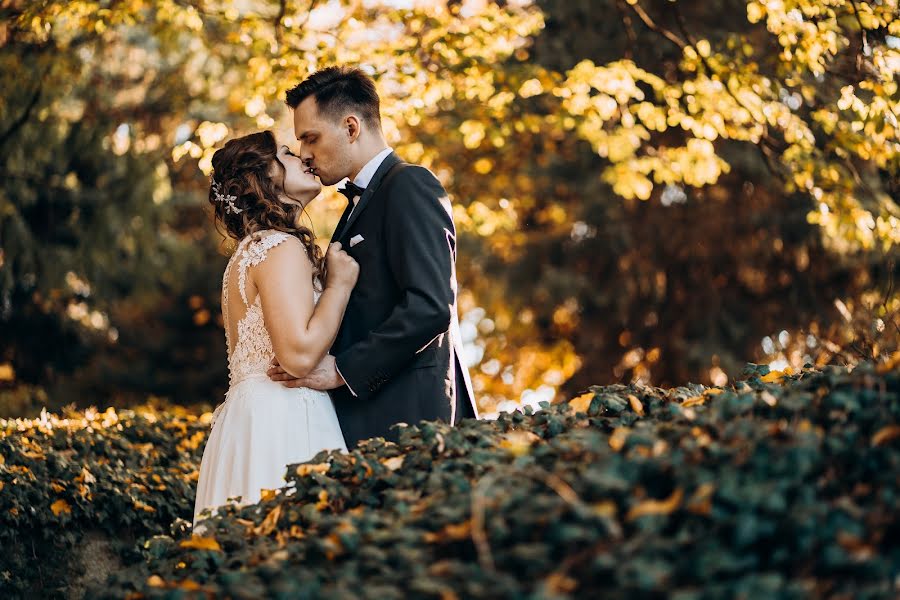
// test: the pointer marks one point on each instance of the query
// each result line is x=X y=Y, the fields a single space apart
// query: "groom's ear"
x=352 y=125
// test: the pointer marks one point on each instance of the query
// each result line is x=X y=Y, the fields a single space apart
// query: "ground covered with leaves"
x=782 y=486
x=79 y=491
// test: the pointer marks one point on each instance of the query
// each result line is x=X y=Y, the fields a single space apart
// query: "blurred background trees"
x=645 y=190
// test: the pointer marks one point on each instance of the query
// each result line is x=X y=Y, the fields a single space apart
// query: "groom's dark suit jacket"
x=398 y=347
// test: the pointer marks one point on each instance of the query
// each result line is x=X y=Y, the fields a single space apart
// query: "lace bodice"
x=250 y=354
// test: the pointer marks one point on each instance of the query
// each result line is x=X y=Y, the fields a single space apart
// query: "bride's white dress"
x=262 y=426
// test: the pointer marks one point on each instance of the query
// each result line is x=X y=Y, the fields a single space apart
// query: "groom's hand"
x=324 y=377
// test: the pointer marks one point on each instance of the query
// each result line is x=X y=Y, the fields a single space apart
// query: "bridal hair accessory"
x=226 y=198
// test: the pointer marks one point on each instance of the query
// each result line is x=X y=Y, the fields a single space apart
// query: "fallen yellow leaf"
x=656 y=507
x=618 y=438
x=582 y=403
x=61 y=506
x=394 y=463
x=773 y=376
x=518 y=442
x=304 y=470
x=713 y=391
x=605 y=508
x=636 y=405
x=693 y=401
x=265 y=494
x=201 y=543
x=269 y=524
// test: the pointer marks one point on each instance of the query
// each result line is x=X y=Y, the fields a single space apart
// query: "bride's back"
x=249 y=342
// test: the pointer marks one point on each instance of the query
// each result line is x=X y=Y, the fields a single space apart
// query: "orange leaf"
x=886 y=434
x=201 y=543
x=450 y=533
x=656 y=507
x=582 y=402
x=190 y=585
x=156 y=581
x=61 y=506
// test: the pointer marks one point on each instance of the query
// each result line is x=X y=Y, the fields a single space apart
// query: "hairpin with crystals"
x=228 y=199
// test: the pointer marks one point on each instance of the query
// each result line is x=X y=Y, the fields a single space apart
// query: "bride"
x=274 y=305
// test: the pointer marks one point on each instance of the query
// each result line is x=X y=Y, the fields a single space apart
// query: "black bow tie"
x=351 y=190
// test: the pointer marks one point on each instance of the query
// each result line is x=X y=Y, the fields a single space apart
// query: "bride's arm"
x=302 y=331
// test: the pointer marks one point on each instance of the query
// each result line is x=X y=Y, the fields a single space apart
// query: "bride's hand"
x=342 y=269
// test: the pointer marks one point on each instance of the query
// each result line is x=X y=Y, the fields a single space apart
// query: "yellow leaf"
x=518 y=442
x=393 y=463
x=322 y=504
x=304 y=470
x=772 y=377
x=156 y=581
x=636 y=405
x=713 y=392
x=1 y=486
x=201 y=543
x=606 y=508
x=618 y=438
x=889 y=365
x=267 y=494
x=582 y=402
x=656 y=507
x=693 y=401
x=61 y=506
x=270 y=522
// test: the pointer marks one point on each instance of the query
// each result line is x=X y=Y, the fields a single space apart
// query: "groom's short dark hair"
x=338 y=90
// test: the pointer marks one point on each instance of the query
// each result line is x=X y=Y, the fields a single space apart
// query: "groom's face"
x=324 y=142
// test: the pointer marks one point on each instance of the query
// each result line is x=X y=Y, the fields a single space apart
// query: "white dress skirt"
x=262 y=426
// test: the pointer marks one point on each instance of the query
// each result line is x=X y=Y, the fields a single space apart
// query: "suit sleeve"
x=420 y=242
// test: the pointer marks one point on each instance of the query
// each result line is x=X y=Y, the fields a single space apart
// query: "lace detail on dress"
x=252 y=351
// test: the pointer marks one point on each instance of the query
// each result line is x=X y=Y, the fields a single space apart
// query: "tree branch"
x=23 y=118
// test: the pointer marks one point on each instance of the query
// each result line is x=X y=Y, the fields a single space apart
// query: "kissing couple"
x=327 y=350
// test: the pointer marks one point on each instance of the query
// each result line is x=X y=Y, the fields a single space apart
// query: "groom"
x=397 y=355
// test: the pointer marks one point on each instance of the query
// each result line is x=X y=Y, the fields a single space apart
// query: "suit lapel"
x=385 y=166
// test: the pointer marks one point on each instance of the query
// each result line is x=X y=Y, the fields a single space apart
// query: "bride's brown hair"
x=241 y=169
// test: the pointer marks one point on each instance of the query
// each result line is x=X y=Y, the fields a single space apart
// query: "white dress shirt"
x=366 y=174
